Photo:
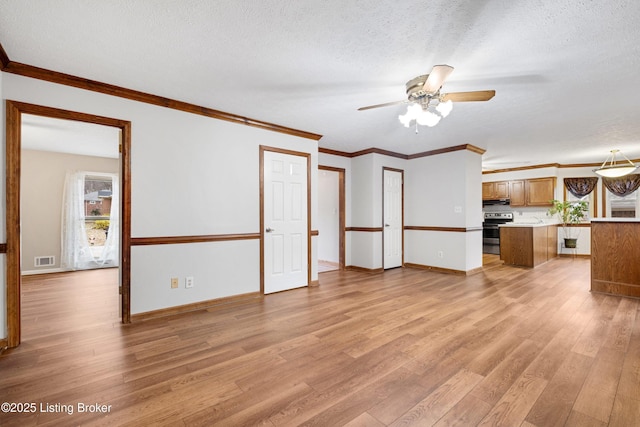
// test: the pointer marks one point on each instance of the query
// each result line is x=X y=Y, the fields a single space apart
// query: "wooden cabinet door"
x=540 y=191
x=517 y=193
x=501 y=190
x=487 y=190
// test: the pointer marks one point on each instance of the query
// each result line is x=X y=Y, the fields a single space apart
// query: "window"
x=623 y=207
x=90 y=230
x=589 y=199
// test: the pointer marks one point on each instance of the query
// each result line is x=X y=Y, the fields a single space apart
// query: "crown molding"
x=4 y=58
x=26 y=70
x=549 y=165
x=468 y=147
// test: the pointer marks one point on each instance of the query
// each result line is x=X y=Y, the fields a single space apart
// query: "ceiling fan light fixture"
x=444 y=108
x=427 y=118
x=420 y=115
x=612 y=169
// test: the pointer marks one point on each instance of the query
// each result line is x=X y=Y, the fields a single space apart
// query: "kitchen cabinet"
x=615 y=250
x=517 y=193
x=532 y=192
x=528 y=245
x=540 y=192
x=495 y=190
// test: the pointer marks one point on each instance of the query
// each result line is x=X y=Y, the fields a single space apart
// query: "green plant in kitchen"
x=569 y=213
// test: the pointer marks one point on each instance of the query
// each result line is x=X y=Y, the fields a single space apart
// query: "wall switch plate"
x=174 y=282
x=188 y=282
x=457 y=209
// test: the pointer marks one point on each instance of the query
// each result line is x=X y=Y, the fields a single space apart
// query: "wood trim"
x=365 y=229
x=14 y=110
x=315 y=283
x=469 y=147
x=342 y=207
x=172 y=240
x=462 y=147
x=3 y=248
x=108 y=89
x=4 y=58
x=603 y=191
x=334 y=152
x=587 y=256
x=201 y=305
x=13 y=278
x=444 y=270
x=262 y=149
x=379 y=151
x=4 y=344
x=523 y=168
x=448 y=229
x=365 y=270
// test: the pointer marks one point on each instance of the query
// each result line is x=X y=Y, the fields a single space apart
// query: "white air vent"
x=45 y=261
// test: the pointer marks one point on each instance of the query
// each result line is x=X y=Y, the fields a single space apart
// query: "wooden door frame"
x=264 y=148
x=401 y=171
x=14 y=111
x=341 y=212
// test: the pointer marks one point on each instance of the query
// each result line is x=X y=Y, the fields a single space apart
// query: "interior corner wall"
x=434 y=187
x=190 y=175
x=444 y=191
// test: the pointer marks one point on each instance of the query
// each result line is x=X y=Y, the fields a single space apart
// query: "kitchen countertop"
x=615 y=220
x=529 y=224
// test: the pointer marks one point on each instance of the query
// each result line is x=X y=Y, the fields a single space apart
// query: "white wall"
x=444 y=191
x=190 y=175
x=440 y=191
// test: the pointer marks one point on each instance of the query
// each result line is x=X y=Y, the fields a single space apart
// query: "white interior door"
x=285 y=222
x=392 y=219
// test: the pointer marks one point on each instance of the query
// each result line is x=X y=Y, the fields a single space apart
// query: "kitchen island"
x=615 y=256
x=528 y=245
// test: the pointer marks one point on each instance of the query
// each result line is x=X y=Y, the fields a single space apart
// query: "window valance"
x=622 y=186
x=580 y=187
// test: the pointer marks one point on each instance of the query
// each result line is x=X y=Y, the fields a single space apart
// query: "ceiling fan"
x=424 y=92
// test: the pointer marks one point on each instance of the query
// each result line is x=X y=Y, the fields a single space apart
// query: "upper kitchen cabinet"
x=495 y=190
x=533 y=192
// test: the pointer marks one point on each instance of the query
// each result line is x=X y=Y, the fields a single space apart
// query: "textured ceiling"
x=565 y=71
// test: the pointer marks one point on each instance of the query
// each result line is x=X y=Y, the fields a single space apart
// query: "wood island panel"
x=528 y=246
x=615 y=258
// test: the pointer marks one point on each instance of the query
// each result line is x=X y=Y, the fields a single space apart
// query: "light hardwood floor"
x=508 y=346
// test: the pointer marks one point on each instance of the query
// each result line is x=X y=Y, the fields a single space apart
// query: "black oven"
x=491 y=230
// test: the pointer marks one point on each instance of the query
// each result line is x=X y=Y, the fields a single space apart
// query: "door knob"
x=269 y=229
x=387 y=225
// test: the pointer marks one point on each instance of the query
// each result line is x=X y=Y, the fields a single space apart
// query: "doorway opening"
x=118 y=226
x=331 y=219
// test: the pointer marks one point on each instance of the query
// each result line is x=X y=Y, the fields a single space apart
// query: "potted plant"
x=568 y=213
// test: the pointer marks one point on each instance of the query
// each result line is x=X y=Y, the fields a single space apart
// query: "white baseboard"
x=43 y=271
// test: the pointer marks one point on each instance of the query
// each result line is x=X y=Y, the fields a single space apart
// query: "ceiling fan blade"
x=436 y=78
x=480 y=95
x=386 y=104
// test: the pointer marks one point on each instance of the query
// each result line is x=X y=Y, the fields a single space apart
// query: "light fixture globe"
x=612 y=169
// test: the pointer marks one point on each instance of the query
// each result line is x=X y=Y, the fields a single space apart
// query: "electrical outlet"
x=174 y=282
x=188 y=282
x=440 y=254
